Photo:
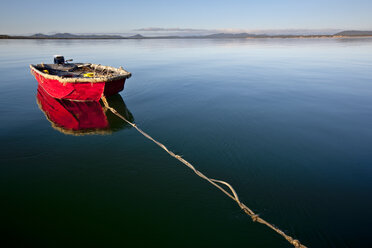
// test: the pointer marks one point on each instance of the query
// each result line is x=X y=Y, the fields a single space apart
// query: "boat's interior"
x=78 y=70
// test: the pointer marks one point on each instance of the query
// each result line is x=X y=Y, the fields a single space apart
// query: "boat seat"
x=62 y=67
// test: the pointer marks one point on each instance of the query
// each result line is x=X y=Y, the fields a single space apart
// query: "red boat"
x=79 y=81
x=81 y=118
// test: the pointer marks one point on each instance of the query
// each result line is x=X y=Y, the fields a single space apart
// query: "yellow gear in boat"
x=46 y=71
x=89 y=74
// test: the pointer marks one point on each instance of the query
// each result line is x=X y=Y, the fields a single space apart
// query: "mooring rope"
x=233 y=195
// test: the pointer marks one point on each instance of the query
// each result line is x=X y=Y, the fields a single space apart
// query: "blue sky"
x=24 y=17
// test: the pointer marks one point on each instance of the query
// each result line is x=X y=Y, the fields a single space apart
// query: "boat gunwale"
x=124 y=75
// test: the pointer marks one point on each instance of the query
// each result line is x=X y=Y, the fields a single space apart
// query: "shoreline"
x=7 y=37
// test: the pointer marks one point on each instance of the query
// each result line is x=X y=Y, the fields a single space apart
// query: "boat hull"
x=79 y=91
x=83 y=118
x=72 y=116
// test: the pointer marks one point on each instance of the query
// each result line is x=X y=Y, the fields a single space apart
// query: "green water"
x=287 y=122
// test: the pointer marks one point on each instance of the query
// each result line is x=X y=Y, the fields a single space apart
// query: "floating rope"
x=233 y=195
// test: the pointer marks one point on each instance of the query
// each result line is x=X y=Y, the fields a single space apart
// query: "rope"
x=233 y=195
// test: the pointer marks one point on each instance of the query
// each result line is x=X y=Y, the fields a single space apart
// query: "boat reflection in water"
x=81 y=118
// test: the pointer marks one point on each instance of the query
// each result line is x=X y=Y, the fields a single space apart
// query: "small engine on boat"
x=59 y=59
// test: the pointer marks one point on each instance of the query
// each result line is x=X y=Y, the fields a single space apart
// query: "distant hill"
x=74 y=36
x=354 y=33
x=229 y=35
x=137 y=36
x=347 y=33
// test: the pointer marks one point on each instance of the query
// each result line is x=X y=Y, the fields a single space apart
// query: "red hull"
x=74 y=116
x=79 y=91
x=80 y=118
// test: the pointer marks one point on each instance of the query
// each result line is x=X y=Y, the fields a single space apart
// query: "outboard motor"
x=59 y=59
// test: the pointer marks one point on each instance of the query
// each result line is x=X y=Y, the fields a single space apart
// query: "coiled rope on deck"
x=233 y=195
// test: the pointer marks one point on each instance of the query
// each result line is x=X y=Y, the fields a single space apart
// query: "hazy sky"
x=108 y=16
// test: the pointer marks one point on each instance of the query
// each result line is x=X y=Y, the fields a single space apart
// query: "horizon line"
x=192 y=31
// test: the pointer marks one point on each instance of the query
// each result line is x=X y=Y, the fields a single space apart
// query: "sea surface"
x=288 y=122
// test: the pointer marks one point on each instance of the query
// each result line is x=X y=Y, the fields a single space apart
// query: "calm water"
x=287 y=122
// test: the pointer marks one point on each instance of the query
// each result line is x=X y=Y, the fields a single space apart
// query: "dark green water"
x=287 y=122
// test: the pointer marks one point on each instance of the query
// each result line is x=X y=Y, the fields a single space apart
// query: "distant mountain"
x=137 y=36
x=74 y=36
x=230 y=35
x=39 y=35
x=354 y=33
x=347 y=33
